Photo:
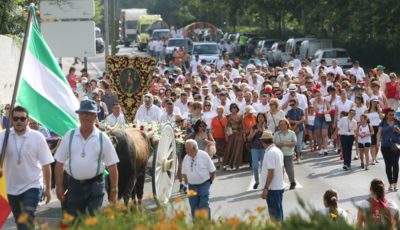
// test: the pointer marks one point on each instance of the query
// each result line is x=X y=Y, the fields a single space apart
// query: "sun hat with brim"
x=357 y=87
x=87 y=106
x=267 y=135
x=292 y=88
x=250 y=109
x=379 y=67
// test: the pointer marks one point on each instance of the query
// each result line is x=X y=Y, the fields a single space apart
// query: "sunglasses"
x=202 y=126
x=207 y=105
x=23 y=119
x=179 y=121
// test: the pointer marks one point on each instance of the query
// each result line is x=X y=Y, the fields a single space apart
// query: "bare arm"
x=59 y=171
x=46 y=169
x=212 y=176
x=270 y=176
x=360 y=218
x=113 y=171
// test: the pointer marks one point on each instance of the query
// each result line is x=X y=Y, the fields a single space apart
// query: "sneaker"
x=345 y=167
x=355 y=158
x=325 y=152
x=292 y=185
x=255 y=186
x=181 y=188
x=366 y=168
x=339 y=151
x=320 y=152
x=362 y=165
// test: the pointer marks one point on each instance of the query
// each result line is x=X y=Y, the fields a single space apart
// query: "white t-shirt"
x=359 y=111
x=341 y=212
x=183 y=108
x=374 y=118
x=346 y=106
x=194 y=65
x=208 y=116
x=153 y=114
x=393 y=208
x=84 y=168
x=337 y=70
x=34 y=153
x=273 y=159
x=358 y=72
x=260 y=108
x=112 y=120
x=364 y=130
x=198 y=169
x=347 y=126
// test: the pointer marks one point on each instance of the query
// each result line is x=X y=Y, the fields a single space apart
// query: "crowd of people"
x=238 y=113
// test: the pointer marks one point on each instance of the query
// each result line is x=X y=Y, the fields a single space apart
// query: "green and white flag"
x=43 y=89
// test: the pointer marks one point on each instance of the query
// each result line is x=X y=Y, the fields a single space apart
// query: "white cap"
x=303 y=88
x=292 y=87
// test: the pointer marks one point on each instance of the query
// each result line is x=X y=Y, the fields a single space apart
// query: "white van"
x=310 y=46
x=341 y=55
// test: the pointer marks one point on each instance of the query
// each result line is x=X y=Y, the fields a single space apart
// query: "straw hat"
x=267 y=135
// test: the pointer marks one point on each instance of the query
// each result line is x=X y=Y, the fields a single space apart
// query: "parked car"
x=275 y=54
x=310 y=46
x=265 y=45
x=341 y=55
x=206 y=50
x=173 y=43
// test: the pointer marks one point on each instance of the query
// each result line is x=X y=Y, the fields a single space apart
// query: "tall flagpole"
x=16 y=85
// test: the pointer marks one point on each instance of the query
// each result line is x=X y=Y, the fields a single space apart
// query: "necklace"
x=20 y=149
x=83 y=154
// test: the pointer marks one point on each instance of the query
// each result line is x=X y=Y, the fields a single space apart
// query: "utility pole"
x=106 y=29
x=114 y=24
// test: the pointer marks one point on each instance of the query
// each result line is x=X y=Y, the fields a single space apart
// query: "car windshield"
x=335 y=54
x=131 y=25
x=143 y=28
x=160 y=34
x=268 y=44
x=205 y=49
x=98 y=34
x=176 y=42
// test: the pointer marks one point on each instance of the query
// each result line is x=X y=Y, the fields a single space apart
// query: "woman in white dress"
x=274 y=115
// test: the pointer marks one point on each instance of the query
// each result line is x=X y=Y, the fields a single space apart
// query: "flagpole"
x=16 y=86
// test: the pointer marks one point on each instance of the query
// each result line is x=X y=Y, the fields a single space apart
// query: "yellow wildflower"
x=201 y=213
x=233 y=221
x=68 y=218
x=160 y=214
x=260 y=209
x=333 y=216
x=191 y=193
x=120 y=207
x=179 y=215
x=178 y=199
x=23 y=218
x=252 y=218
x=90 y=221
x=141 y=227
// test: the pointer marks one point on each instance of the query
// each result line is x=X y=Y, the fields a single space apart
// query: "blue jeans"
x=299 y=144
x=257 y=155
x=202 y=199
x=274 y=201
x=82 y=198
x=26 y=202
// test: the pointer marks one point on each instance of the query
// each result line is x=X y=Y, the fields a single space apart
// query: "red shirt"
x=72 y=79
x=391 y=90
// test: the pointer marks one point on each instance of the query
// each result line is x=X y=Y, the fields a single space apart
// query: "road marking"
x=97 y=69
x=286 y=184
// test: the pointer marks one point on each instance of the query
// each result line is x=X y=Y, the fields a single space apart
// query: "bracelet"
x=114 y=190
x=265 y=189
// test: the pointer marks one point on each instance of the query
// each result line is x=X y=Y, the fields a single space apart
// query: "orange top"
x=249 y=122
x=218 y=127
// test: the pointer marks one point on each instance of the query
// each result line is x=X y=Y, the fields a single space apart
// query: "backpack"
x=379 y=211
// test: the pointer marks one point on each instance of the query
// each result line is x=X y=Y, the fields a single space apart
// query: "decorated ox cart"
x=136 y=144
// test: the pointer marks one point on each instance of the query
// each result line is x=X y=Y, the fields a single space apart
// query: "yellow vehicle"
x=141 y=29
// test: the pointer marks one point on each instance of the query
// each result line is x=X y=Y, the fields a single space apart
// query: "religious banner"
x=131 y=78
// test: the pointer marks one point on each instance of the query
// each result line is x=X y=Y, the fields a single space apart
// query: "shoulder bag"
x=327 y=116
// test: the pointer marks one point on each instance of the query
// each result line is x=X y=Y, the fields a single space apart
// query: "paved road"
x=232 y=192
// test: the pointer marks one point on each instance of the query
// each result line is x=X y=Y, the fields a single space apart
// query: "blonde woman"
x=274 y=115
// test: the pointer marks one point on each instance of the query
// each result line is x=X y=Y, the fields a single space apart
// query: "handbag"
x=327 y=116
x=395 y=148
x=229 y=131
x=211 y=149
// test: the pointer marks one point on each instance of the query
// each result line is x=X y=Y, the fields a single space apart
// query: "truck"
x=142 y=32
x=129 y=19
x=310 y=46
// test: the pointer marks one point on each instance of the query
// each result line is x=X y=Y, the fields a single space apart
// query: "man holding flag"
x=28 y=160
x=42 y=88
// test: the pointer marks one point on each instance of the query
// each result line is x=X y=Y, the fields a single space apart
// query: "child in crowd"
x=364 y=132
x=331 y=201
x=310 y=128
